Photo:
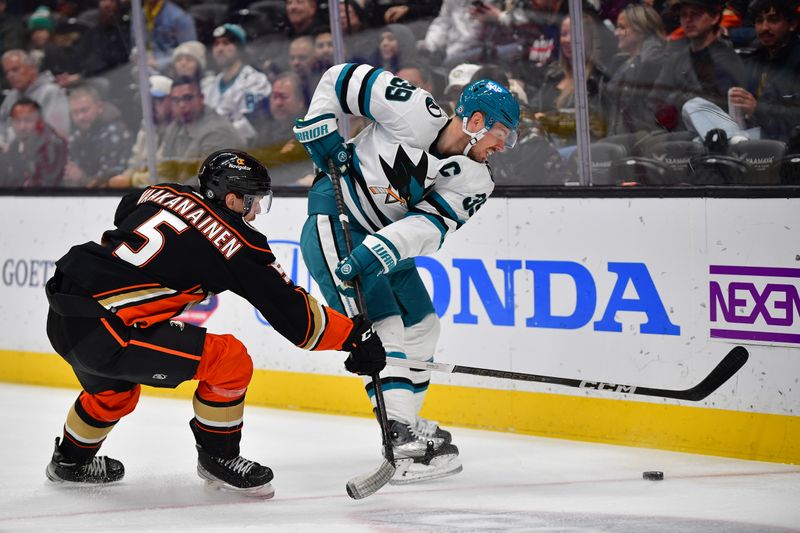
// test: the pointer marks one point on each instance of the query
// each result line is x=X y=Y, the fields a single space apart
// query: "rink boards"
x=644 y=291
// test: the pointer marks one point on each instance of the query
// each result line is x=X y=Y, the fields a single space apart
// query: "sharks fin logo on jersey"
x=406 y=177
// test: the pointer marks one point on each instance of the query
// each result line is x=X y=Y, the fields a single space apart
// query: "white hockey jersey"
x=399 y=187
x=242 y=97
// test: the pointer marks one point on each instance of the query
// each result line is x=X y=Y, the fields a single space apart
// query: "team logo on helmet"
x=239 y=161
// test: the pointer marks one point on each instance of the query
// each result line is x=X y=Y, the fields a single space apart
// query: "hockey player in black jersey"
x=111 y=306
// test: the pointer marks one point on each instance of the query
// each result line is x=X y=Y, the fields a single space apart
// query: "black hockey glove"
x=367 y=356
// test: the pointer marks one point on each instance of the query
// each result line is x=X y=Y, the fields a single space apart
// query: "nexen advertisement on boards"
x=647 y=291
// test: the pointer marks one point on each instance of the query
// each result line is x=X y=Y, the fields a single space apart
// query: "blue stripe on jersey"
x=388 y=244
x=444 y=209
x=342 y=85
x=421 y=387
x=365 y=94
x=388 y=384
x=436 y=220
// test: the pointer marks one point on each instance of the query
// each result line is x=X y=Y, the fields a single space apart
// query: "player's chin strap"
x=473 y=137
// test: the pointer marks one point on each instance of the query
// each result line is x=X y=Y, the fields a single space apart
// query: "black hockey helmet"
x=238 y=172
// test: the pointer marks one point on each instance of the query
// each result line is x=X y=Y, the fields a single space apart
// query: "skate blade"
x=447 y=465
x=264 y=492
x=53 y=479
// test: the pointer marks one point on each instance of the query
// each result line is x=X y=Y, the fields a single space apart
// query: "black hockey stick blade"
x=724 y=371
x=367 y=484
x=726 y=368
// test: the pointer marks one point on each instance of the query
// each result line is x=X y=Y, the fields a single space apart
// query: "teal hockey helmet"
x=495 y=102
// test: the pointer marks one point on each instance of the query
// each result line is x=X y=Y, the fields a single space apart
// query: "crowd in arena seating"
x=680 y=92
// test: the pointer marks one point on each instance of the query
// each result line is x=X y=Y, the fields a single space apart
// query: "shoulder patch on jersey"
x=432 y=107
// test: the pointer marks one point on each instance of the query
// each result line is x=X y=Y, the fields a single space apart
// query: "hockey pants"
x=112 y=361
x=398 y=303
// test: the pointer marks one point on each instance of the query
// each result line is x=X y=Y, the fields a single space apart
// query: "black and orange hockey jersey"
x=171 y=248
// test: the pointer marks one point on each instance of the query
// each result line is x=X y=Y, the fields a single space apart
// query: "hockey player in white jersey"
x=410 y=179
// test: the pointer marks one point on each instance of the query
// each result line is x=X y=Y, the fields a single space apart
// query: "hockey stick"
x=726 y=368
x=366 y=484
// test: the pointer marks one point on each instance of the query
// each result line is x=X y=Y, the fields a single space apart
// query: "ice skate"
x=430 y=429
x=97 y=471
x=421 y=457
x=236 y=475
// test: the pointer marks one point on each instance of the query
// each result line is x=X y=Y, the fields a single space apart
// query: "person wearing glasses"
x=195 y=130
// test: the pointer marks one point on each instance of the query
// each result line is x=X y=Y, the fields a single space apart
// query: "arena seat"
x=603 y=155
x=789 y=170
x=640 y=171
x=716 y=169
x=676 y=155
x=763 y=157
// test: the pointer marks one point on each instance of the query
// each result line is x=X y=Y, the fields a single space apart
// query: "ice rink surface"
x=509 y=483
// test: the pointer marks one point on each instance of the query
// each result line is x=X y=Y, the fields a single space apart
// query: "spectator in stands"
x=396 y=48
x=238 y=90
x=353 y=15
x=100 y=143
x=288 y=160
x=66 y=54
x=303 y=63
x=189 y=60
x=40 y=29
x=12 y=30
x=391 y=11
x=455 y=35
x=137 y=174
x=703 y=70
x=419 y=75
x=555 y=103
x=458 y=77
x=37 y=155
x=360 y=40
x=25 y=80
x=641 y=36
x=531 y=30
x=304 y=18
x=167 y=26
x=771 y=97
x=323 y=51
x=195 y=132
x=109 y=42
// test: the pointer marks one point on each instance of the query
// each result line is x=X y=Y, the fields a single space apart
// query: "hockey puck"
x=653 y=475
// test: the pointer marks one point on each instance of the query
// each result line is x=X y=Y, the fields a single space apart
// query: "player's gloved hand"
x=374 y=256
x=322 y=140
x=367 y=356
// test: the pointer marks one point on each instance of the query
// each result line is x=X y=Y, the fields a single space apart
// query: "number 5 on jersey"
x=154 y=239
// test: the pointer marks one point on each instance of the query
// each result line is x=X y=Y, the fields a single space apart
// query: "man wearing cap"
x=238 y=90
x=704 y=69
x=457 y=79
x=136 y=174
